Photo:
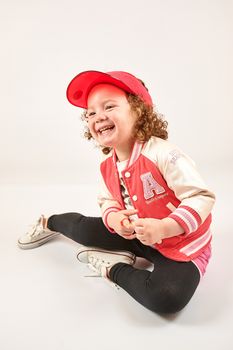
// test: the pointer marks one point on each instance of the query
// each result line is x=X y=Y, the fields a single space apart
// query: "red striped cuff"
x=105 y=217
x=187 y=217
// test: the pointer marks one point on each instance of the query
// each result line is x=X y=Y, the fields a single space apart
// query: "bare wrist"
x=171 y=228
x=110 y=219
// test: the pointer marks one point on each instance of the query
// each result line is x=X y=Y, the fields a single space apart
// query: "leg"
x=167 y=289
x=89 y=231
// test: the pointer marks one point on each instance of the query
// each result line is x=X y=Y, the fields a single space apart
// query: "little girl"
x=153 y=201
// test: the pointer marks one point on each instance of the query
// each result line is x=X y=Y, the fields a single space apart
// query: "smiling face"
x=110 y=119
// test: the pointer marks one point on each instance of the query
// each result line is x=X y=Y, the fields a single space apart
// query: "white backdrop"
x=182 y=49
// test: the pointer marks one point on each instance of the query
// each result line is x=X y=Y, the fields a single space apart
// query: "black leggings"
x=167 y=289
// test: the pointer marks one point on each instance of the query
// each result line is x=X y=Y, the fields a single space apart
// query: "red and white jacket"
x=162 y=182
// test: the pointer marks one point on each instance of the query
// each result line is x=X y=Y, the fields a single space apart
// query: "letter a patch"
x=150 y=186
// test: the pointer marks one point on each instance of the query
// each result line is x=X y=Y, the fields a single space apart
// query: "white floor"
x=47 y=303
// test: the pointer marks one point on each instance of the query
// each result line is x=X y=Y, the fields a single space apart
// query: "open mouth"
x=105 y=129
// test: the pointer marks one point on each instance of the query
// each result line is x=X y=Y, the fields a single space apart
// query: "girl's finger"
x=128 y=232
x=139 y=222
x=130 y=236
x=138 y=230
x=125 y=223
x=141 y=239
x=129 y=212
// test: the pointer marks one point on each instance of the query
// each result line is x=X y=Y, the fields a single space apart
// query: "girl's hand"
x=149 y=231
x=119 y=221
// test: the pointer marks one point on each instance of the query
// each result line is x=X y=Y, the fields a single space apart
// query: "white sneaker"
x=100 y=260
x=36 y=236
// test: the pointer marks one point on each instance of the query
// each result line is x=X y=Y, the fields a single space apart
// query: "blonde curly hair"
x=148 y=123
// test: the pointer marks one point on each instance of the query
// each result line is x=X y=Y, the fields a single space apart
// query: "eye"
x=110 y=107
x=90 y=115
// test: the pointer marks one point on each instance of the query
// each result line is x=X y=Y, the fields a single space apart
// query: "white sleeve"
x=182 y=177
x=107 y=203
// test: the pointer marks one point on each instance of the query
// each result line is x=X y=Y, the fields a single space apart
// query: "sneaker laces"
x=95 y=264
x=36 y=228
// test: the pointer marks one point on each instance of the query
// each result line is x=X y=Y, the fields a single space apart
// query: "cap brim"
x=80 y=86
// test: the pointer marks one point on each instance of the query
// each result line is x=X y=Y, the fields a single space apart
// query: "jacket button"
x=127 y=174
x=135 y=198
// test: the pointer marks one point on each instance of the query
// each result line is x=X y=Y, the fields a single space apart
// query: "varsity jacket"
x=162 y=181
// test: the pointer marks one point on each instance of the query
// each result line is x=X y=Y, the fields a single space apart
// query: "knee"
x=168 y=300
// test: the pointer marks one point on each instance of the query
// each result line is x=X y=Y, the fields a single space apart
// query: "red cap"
x=79 y=87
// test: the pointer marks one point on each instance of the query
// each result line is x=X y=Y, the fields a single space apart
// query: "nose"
x=100 y=116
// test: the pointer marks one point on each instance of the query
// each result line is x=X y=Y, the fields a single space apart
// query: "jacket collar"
x=135 y=153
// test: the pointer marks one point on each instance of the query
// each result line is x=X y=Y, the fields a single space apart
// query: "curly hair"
x=148 y=123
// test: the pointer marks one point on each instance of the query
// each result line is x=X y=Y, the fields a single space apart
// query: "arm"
x=196 y=199
x=182 y=177
x=107 y=204
x=150 y=231
x=115 y=218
